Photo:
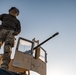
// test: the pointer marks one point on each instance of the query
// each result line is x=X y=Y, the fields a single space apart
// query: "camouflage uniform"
x=6 y=35
x=9 y=28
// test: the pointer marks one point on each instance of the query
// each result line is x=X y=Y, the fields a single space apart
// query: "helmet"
x=14 y=8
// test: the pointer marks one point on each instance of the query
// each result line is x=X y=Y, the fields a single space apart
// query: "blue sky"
x=41 y=19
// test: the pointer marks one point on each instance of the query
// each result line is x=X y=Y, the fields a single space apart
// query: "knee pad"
x=7 y=49
x=10 y=41
x=6 y=56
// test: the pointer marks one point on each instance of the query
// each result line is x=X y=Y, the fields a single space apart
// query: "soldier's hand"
x=16 y=33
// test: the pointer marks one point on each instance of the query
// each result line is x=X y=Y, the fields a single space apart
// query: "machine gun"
x=47 y=39
x=38 y=49
x=29 y=56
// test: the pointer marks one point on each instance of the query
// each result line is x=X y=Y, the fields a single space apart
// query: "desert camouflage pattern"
x=6 y=37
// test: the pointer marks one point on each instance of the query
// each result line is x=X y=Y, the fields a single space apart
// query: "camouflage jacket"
x=10 y=22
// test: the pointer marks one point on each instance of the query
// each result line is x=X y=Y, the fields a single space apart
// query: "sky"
x=42 y=18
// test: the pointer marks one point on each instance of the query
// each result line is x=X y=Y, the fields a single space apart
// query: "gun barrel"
x=46 y=40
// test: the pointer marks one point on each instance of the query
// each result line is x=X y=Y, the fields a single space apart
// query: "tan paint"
x=27 y=62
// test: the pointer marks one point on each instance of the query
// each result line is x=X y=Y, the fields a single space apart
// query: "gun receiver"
x=46 y=40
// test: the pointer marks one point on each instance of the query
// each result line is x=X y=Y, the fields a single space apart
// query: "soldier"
x=9 y=28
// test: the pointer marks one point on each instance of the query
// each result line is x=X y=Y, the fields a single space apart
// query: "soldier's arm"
x=1 y=16
x=1 y=19
x=18 y=28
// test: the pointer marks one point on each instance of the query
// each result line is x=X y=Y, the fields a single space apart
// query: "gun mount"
x=29 y=55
